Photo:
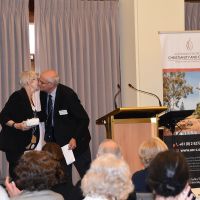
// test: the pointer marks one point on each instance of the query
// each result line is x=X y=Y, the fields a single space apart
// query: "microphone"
x=149 y=93
x=115 y=97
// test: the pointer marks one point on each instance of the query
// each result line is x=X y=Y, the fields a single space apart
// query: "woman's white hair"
x=108 y=177
x=27 y=76
x=150 y=148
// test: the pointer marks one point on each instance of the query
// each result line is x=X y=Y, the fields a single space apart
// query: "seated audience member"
x=57 y=153
x=169 y=176
x=147 y=151
x=108 y=178
x=109 y=146
x=66 y=188
x=54 y=149
x=37 y=172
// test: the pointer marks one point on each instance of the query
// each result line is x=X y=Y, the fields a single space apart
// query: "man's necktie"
x=50 y=109
x=49 y=131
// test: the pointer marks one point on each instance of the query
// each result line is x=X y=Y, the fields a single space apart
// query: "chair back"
x=144 y=196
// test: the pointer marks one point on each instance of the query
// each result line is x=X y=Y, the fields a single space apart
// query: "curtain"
x=192 y=15
x=80 y=39
x=14 y=51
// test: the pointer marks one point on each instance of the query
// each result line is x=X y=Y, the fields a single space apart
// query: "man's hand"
x=11 y=188
x=72 y=144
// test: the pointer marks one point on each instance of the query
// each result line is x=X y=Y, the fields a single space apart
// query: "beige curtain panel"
x=80 y=39
x=14 y=51
x=192 y=15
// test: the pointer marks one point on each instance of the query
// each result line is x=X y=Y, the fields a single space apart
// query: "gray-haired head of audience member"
x=109 y=146
x=149 y=149
x=108 y=177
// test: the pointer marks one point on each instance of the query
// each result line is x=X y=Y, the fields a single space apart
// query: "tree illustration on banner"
x=175 y=88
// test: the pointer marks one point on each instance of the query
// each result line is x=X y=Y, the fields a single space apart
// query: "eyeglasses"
x=43 y=83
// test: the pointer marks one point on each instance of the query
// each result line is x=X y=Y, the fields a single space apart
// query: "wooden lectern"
x=129 y=127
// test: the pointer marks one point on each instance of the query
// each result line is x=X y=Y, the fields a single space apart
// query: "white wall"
x=127 y=51
x=141 y=20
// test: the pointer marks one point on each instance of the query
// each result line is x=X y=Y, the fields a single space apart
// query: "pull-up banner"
x=189 y=145
x=180 y=61
x=180 y=51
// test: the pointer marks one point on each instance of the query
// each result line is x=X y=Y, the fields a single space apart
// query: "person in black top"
x=169 y=177
x=16 y=136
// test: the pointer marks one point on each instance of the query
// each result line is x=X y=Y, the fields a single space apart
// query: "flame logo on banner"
x=189 y=45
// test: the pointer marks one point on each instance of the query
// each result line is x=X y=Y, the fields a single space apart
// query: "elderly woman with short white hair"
x=108 y=178
x=16 y=136
x=147 y=152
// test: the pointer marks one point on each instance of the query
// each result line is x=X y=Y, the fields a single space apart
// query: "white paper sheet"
x=68 y=154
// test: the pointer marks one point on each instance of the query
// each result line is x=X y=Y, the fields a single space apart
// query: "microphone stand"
x=149 y=93
x=115 y=97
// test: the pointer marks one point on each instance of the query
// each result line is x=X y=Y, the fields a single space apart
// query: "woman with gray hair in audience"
x=108 y=178
x=147 y=152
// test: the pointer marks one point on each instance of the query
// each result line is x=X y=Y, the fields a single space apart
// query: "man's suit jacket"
x=69 y=118
x=18 y=109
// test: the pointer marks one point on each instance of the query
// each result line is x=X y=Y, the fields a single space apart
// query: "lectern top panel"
x=133 y=112
x=173 y=117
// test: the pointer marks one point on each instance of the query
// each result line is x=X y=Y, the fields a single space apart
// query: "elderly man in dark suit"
x=67 y=121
